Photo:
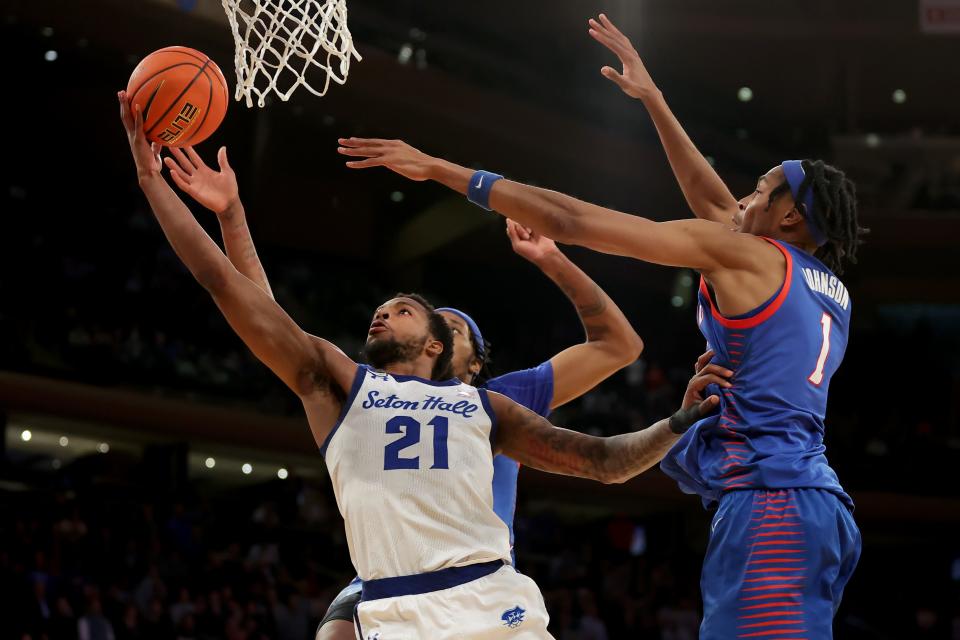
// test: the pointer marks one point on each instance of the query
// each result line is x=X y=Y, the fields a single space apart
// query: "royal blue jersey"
x=769 y=430
x=532 y=388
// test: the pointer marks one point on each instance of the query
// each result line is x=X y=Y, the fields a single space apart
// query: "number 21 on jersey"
x=410 y=428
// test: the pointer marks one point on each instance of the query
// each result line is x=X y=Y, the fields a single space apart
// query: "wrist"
x=683 y=419
x=550 y=257
x=650 y=95
x=448 y=174
x=232 y=211
x=147 y=176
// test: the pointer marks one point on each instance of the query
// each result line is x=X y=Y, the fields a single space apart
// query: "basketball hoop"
x=278 y=43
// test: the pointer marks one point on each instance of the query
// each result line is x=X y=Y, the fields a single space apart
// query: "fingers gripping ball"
x=182 y=94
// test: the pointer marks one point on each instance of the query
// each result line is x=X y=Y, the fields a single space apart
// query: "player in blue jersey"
x=611 y=343
x=783 y=542
x=412 y=461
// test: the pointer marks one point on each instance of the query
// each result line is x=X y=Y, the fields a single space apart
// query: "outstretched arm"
x=611 y=342
x=707 y=195
x=305 y=364
x=218 y=191
x=698 y=244
x=532 y=441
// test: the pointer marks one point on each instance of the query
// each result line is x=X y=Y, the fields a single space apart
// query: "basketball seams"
x=188 y=90
x=173 y=102
x=206 y=110
x=133 y=94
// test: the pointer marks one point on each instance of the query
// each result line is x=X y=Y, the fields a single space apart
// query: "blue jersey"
x=532 y=388
x=769 y=430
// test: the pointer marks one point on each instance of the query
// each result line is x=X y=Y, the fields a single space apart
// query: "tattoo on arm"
x=533 y=441
x=588 y=303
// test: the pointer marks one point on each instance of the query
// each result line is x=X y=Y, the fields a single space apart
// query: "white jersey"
x=412 y=469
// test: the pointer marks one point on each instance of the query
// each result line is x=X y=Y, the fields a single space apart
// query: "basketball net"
x=278 y=43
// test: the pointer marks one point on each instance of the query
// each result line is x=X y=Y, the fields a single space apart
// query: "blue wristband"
x=478 y=189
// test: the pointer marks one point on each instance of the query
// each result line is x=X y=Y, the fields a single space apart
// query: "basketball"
x=182 y=94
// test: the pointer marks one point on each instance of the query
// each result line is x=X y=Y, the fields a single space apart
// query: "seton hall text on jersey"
x=827 y=284
x=464 y=408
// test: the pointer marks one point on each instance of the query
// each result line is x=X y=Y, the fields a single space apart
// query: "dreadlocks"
x=835 y=211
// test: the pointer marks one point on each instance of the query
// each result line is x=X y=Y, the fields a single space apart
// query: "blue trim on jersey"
x=452 y=382
x=427 y=582
x=354 y=390
x=485 y=401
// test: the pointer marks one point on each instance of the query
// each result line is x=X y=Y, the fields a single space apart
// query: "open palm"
x=635 y=80
x=216 y=190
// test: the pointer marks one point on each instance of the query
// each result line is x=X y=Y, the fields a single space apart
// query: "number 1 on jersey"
x=410 y=429
x=817 y=376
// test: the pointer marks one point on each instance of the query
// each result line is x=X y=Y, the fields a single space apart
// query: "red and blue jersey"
x=769 y=431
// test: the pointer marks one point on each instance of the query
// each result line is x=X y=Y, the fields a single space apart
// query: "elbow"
x=631 y=348
x=613 y=477
x=621 y=351
x=214 y=278
x=562 y=225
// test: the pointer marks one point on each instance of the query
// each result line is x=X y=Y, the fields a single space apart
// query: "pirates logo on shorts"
x=513 y=618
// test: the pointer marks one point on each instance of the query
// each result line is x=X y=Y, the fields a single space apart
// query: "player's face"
x=402 y=320
x=756 y=215
x=465 y=364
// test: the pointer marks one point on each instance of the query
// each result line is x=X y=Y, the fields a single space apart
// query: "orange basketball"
x=182 y=94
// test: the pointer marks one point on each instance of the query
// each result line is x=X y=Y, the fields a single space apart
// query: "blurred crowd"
x=87 y=553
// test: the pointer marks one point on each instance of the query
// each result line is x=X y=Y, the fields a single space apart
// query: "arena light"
x=676 y=301
x=51 y=56
x=397 y=196
x=872 y=140
x=899 y=96
x=64 y=441
x=26 y=435
x=282 y=473
x=745 y=94
x=55 y=463
x=210 y=463
x=406 y=52
x=247 y=468
x=46 y=32
x=103 y=447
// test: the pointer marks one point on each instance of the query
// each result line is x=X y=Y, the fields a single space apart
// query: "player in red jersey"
x=773 y=310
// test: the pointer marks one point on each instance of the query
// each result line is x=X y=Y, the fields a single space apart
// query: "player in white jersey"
x=409 y=450
x=610 y=344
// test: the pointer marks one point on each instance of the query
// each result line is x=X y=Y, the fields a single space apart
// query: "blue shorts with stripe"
x=777 y=564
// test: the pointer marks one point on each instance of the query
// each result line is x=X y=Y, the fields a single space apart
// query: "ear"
x=433 y=348
x=791 y=219
x=475 y=365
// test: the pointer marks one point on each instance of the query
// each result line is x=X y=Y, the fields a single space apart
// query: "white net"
x=284 y=44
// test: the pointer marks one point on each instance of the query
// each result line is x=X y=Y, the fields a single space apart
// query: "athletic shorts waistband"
x=427 y=582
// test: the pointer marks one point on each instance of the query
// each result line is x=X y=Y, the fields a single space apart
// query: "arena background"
x=119 y=379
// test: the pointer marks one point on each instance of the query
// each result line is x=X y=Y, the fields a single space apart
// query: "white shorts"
x=504 y=605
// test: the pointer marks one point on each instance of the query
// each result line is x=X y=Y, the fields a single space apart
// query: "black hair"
x=439 y=330
x=484 y=374
x=835 y=211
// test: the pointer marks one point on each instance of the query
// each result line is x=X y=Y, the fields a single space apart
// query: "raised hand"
x=634 y=80
x=395 y=155
x=216 y=190
x=528 y=243
x=145 y=154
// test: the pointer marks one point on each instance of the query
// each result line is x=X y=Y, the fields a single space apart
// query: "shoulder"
x=532 y=388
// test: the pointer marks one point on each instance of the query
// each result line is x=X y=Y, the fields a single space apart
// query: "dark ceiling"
x=514 y=87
